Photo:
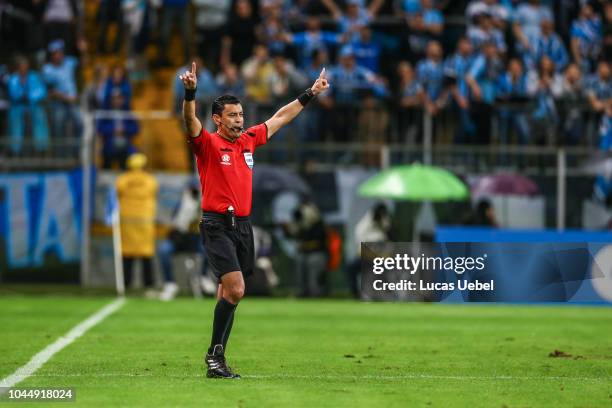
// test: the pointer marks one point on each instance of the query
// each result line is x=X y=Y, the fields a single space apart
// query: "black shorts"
x=228 y=248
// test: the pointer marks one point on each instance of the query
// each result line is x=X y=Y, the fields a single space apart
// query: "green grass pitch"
x=317 y=353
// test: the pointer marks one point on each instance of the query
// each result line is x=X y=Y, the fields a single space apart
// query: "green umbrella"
x=415 y=182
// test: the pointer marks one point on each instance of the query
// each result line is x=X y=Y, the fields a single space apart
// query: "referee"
x=225 y=164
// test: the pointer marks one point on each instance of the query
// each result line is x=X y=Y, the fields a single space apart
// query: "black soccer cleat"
x=217 y=368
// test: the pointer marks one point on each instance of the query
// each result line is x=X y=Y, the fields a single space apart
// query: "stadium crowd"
x=540 y=68
x=531 y=72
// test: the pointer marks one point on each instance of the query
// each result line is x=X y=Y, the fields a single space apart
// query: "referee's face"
x=231 y=121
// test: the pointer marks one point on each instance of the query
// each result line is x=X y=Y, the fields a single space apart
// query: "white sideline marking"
x=43 y=356
x=342 y=377
x=427 y=377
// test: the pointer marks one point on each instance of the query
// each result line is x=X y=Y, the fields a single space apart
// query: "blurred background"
x=445 y=119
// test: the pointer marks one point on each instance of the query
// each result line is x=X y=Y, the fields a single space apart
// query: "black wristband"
x=190 y=94
x=306 y=97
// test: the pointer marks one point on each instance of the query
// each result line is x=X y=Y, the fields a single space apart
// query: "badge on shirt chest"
x=226 y=159
x=248 y=159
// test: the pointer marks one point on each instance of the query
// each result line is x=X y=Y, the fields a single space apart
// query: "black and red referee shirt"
x=226 y=169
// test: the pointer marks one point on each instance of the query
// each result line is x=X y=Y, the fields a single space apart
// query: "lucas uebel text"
x=410 y=265
x=422 y=285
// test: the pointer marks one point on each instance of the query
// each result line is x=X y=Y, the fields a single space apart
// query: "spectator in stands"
x=410 y=100
x=499 y=13
x=513 y=87
x=264 y=278
x=109 y=12
x=61 y=20
x=425 y=26
x=257 y=71
x=312 y=39
x=93 y=95
x=211 y=18
x=483 y=215
x=607 y=32
x=528 y=20
x=137 y=194
x=4 y=76
x=545 y=84
x=482 y=80
x=137 y=16
x=118 y=83
x=349 y=78
x=23 y=28
x=484 y=31
x=547 y=44
x=295 y=12
x=60 y=76
x=351 y=82
x=409 y=8
x=283 y=83
x=605 y=129
x=205 y=93
x=367 y=51
x=586 y=38
x=599 y=87
x=117 y=130
x=285 y=80
x=174 y=12
x=308 y=228
x=603 y=183
x=273 y=28
x=26 y=94
x=183 y=237
x=410 y=97
x=570 y=99
x=355 y=83
x=456 y=68
x=372 y=127
x=375 y=227
x=241 y=34
x=318 y=61
x=355 y=16
x=229 y=81
x=316 y=119
x=430 y=74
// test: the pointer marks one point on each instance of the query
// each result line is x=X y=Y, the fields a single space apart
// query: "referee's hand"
x=321 y=84
x=189 y=78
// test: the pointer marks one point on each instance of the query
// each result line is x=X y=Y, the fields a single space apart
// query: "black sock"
x=223 y=314
x=228 y=330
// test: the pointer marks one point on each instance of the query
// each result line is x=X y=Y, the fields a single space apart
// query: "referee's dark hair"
x=219 y=103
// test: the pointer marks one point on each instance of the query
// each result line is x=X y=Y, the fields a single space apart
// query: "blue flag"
x=112 y=205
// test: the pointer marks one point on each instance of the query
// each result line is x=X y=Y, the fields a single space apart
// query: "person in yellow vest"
x=137 y=194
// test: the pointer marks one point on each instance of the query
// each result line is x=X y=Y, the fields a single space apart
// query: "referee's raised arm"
x=190 y=81
x=286 y=114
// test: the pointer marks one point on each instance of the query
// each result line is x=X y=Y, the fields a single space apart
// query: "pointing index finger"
x=322 y=74
x=193 y=68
